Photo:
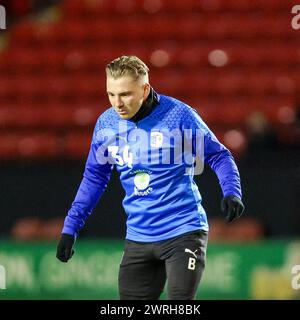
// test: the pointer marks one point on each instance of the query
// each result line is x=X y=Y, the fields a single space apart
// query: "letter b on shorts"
x=192 y=264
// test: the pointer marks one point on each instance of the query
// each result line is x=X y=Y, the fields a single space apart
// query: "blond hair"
x=127 y=65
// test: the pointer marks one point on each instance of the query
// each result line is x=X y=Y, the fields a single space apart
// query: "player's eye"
x=126 y=94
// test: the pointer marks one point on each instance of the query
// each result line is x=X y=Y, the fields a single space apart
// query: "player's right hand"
x=65 y=247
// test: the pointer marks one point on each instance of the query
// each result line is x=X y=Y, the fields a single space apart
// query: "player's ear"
x=146 y=90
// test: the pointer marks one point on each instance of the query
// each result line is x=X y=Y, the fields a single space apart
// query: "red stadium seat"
x=29 y=146
x=77 y=145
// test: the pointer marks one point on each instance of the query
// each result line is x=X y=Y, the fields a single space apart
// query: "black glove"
x=233 y=207
x=65 y=247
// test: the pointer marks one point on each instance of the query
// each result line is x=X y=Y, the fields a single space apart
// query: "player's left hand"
x=233 y=207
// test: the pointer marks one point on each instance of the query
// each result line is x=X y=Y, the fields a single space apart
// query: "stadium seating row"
x=158 y=27
x=164 y=54
x=83 y=7
x=85 y=86
x=215 y=112
x=44 y=145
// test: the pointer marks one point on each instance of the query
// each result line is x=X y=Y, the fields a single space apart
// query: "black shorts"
x=145 y=267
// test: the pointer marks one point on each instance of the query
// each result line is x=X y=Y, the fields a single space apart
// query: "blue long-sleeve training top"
x=157 y=158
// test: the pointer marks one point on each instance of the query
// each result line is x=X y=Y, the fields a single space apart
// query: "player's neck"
x=147 y=107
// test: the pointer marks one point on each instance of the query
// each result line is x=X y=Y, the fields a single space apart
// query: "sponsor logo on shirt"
x=141 y=182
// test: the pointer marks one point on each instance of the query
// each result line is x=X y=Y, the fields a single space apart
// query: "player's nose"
x=118 y=102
